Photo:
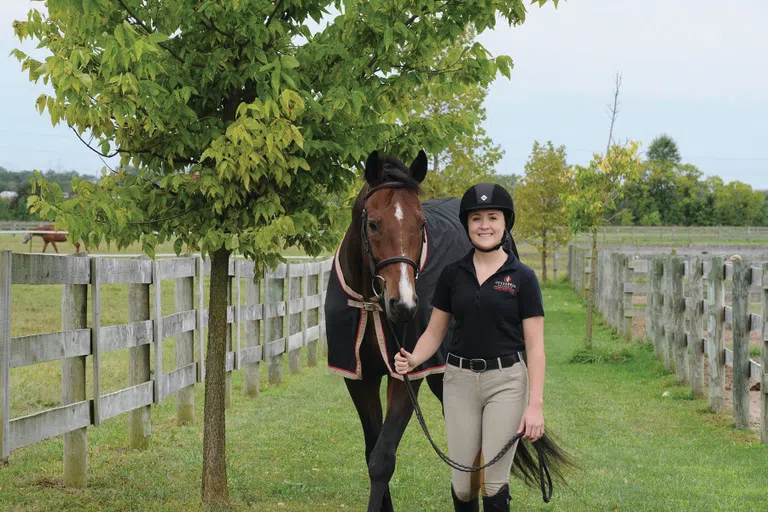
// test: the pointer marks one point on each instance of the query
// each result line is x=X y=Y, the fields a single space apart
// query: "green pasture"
x=299 y=446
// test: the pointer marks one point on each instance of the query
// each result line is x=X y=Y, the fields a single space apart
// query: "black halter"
x=374 y=266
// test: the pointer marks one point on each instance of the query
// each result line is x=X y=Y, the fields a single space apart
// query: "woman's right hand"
x=404 y=362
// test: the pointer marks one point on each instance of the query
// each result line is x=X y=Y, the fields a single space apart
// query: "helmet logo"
x=483 y=197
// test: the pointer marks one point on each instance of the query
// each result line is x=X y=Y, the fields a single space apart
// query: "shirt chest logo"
x=505 y=284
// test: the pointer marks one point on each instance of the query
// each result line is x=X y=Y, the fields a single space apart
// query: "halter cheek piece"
x=374 y=266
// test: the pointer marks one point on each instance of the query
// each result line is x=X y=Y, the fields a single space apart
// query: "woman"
x=489 y=393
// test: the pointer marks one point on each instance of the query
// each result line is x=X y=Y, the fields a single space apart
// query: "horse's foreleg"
x=55 y=248
x=365 y=396
x=45 y=245
x=382 y=464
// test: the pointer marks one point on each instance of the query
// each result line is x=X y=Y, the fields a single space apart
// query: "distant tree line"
x=670 y=192
x=18 y=181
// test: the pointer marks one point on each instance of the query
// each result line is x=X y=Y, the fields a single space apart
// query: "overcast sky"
x=694 y=69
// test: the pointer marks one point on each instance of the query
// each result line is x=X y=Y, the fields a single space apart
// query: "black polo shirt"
x=489 y=317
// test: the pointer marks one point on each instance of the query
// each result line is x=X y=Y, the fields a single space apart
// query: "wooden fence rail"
x=675 y=308
x=285 y=317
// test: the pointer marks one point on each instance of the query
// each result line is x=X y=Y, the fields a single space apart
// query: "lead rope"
x=546 y=491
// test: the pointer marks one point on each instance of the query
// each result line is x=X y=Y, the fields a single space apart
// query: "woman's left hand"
x=532 y=423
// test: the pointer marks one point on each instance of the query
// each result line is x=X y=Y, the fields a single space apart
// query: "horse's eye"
x=372 y=226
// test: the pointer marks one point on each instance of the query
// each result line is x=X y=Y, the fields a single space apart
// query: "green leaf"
x=86 y=80
x=276 y=80
x=289 y=61
x=119 y=35
x=157 y=37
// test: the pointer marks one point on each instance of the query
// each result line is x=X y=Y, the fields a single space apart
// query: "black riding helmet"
x=488 y=196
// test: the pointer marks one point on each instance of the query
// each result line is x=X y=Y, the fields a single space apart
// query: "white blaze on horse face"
x=406 y=290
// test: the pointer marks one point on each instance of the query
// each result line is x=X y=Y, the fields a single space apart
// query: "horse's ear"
x=373 y=168
x=418 y=168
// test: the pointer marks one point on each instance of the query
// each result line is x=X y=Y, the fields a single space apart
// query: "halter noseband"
x=373 y=265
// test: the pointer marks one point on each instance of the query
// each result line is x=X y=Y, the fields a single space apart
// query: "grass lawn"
x=299 y=447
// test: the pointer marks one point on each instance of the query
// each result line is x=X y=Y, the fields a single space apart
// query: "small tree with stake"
x=597 y=187
x=243 y=124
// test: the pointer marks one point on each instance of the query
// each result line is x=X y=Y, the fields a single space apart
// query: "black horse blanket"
x=446 y=242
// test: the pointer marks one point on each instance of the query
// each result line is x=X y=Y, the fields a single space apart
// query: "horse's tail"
x=526 y=468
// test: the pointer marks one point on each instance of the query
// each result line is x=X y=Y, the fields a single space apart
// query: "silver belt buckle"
x=472 y=365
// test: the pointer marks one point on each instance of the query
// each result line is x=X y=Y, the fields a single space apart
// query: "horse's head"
x=27 y=238
x=393 y=231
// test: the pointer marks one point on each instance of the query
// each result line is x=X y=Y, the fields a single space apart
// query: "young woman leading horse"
x=380 y=298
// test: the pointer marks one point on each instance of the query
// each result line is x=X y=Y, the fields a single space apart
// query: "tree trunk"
x=591 y=296
x=215 y=492
x=544 y=257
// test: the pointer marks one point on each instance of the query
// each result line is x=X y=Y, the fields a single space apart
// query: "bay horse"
x=387 y=265
x=48 y=238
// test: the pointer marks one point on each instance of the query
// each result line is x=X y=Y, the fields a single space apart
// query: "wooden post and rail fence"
x=280 y=315
x=676 y=309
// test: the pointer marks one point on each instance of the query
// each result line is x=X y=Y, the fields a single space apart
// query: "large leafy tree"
x=539 y=200
x=471 y=157
x=243 y=123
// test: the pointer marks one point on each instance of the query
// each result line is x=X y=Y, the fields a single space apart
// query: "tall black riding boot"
x=499 y=502
x=465 y=506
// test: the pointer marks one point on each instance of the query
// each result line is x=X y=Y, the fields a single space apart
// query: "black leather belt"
x=481 y=365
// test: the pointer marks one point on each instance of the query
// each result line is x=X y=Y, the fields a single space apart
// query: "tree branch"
x=272 y=14
x=614 y=111
x=170 y=217
x=148 y=31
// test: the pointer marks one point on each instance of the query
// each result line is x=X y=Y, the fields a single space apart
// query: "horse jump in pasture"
x=48 y=238
x=388 y=264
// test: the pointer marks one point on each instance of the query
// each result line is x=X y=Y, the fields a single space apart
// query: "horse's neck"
x=356 y=275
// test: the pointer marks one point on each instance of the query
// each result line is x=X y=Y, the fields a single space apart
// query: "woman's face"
x=486 y=227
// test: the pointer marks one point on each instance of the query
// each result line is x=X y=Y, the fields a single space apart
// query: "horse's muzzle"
x=401 y=312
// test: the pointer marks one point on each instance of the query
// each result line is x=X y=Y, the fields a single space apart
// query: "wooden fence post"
x=252 y=338
x=658 y=304
x=696 y=322
x=678 y=348
x=293 y=321
x=139 y=420
x=650 y=291
x=764 y=354
x=273 y=295
x=74 y=315
x=627 y=278
x=653 y=303
x=311 y=316
x=667 y=314
x=617 y=293
x=554 y=264
x=184 y=300
x=715 y=352
x=742 y=279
